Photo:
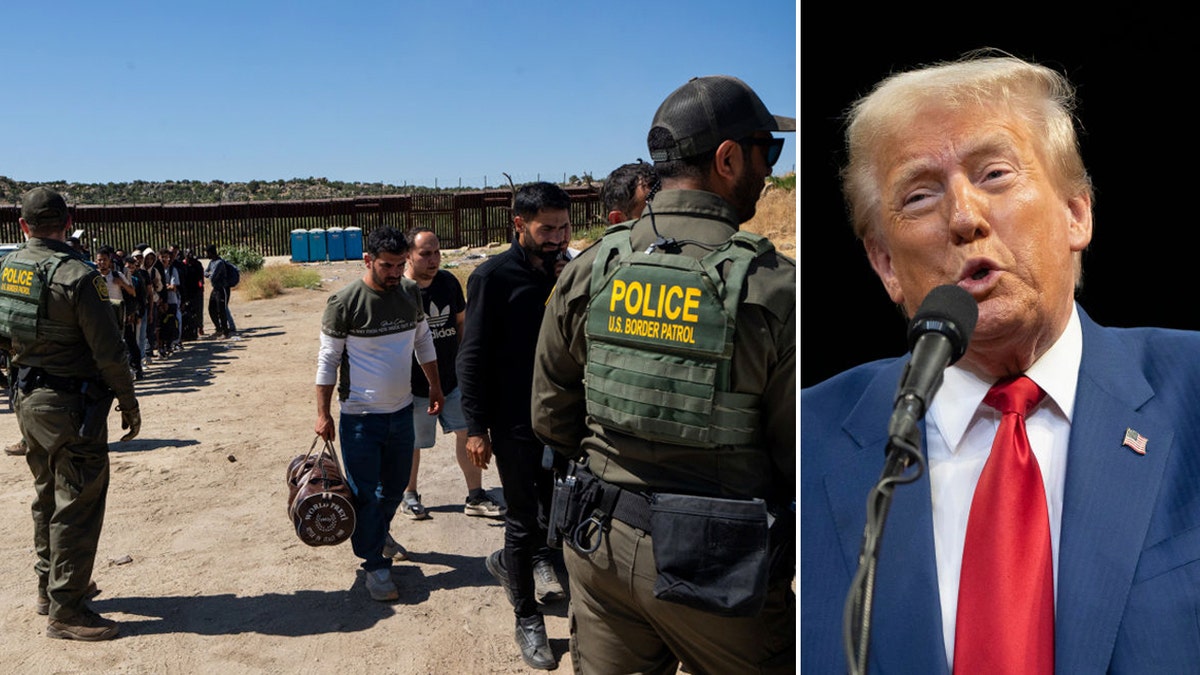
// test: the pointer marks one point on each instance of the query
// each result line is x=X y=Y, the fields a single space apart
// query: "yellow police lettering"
x=645 y=299
x=691 y=302
x=633 y=305
x=16 y=281
x=673 y=294
x=18 y=277
x=618 y=293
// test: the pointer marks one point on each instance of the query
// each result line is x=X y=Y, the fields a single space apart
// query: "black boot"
x=534 y=645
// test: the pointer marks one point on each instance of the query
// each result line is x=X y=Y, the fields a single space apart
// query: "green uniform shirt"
x=78 y=296
x=763 y=363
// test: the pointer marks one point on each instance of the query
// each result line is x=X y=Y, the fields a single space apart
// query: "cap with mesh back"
x=706 y=111
x=43 y=206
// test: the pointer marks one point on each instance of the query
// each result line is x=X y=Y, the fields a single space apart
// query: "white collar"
x=1056 y=372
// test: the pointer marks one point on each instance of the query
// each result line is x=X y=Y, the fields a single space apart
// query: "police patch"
x=101 y=287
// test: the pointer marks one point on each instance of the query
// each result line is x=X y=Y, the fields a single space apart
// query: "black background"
x=1135 y=80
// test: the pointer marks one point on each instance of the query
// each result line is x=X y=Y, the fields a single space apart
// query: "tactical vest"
x=24 y=289
x=660 y=330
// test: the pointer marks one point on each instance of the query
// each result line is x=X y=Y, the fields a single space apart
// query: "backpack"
x=233 y=276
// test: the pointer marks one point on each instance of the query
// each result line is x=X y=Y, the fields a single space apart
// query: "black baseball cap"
x=706 y=111
x=43 y=206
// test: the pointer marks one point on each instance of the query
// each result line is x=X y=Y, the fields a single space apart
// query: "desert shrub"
x=271 y=280
x=246 y=258
x=784 y=182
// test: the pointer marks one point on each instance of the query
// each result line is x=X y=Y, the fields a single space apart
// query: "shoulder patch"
x=101 y=287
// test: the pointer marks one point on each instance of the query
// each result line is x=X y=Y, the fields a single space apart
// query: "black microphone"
x=937 y=335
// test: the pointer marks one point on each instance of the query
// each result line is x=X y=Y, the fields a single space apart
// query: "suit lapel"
x=1107 y=501
x=906 y=632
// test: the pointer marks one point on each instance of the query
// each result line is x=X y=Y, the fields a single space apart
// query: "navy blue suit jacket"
x=1129 y=554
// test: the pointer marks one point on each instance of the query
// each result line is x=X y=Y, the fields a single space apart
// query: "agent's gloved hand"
x=131 y=419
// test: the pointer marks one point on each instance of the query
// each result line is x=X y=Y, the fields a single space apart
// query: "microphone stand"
x=903 y=452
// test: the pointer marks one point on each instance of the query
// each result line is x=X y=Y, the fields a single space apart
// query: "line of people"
x=159 y=298
x=524 y=342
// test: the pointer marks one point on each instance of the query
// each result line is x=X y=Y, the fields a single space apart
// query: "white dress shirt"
x=960 y=428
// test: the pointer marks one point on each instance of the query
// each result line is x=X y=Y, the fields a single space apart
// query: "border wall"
x=459 y=219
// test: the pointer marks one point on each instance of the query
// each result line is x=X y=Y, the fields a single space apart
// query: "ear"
x=881 y=262
x=1079 y=227
x=24 y=227
x=616 y=216
x=728 y=161
x=519 y=223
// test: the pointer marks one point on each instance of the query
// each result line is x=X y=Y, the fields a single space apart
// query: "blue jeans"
x=377 y=452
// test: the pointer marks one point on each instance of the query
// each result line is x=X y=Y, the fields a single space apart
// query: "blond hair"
x=1040 y=96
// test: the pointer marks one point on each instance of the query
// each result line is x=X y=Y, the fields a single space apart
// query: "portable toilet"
x=316 y=245
x=335 y=244
x=299 y=245
x=352 y=236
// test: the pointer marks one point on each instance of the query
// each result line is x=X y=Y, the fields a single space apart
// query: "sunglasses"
x=774 y=147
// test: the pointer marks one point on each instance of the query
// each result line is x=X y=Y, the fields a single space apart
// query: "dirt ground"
x=198 y=560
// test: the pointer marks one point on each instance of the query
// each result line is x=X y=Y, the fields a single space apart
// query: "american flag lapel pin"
x=1135 y=441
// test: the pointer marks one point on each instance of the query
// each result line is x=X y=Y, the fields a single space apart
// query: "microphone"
x=937 y=335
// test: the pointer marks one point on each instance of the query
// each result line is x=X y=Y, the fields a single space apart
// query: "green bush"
x=784 y=182
x=271 y=280
x=246 y=258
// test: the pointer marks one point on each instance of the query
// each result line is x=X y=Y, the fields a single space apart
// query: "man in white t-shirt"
x=369 y=333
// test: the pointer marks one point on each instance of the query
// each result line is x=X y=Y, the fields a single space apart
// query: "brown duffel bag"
x=320 y=502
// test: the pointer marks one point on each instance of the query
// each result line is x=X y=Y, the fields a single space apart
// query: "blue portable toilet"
x=299 y=245
x=316 y=245
x=354 y=242
x=335 y=244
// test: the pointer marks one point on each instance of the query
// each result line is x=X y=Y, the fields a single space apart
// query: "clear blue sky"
x=402 y=92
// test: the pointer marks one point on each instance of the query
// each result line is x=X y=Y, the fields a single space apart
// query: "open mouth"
x=980 y=273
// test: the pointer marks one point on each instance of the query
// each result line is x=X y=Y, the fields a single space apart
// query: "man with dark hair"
x=169 y=318
x=666 y=368
x=506 y=297
x=70 y=363
x=626 y=189
x=445 y=309
x=192 y=296
x=372 y=321
x=135 y=310
x=217 y=274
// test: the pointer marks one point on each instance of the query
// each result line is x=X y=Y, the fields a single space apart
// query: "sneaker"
x=484 y=506
x=412 y=507
x=380 y=585
x=87 y=626
x=16 y=449
x=533 y=643
x=42 y=606
x=392 y=549
x=546 y=587
x=495 y=565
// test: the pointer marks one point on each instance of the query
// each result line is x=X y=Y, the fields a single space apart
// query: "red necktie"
x=1005 y=618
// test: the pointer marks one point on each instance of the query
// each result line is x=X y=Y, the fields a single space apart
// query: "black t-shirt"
x=442 y=300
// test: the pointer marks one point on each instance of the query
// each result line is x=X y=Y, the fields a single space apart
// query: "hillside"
x=206 y=192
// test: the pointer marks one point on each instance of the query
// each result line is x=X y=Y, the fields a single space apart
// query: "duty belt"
x=29 y=378
x=627 y=506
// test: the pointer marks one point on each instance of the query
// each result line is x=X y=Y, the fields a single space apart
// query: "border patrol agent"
x=666 y=367
x=69 y=357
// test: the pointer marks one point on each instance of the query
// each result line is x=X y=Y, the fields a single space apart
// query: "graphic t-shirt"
x=442 y=300
x=368 y=340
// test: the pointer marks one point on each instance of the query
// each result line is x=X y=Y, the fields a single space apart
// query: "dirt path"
x=198 y=561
